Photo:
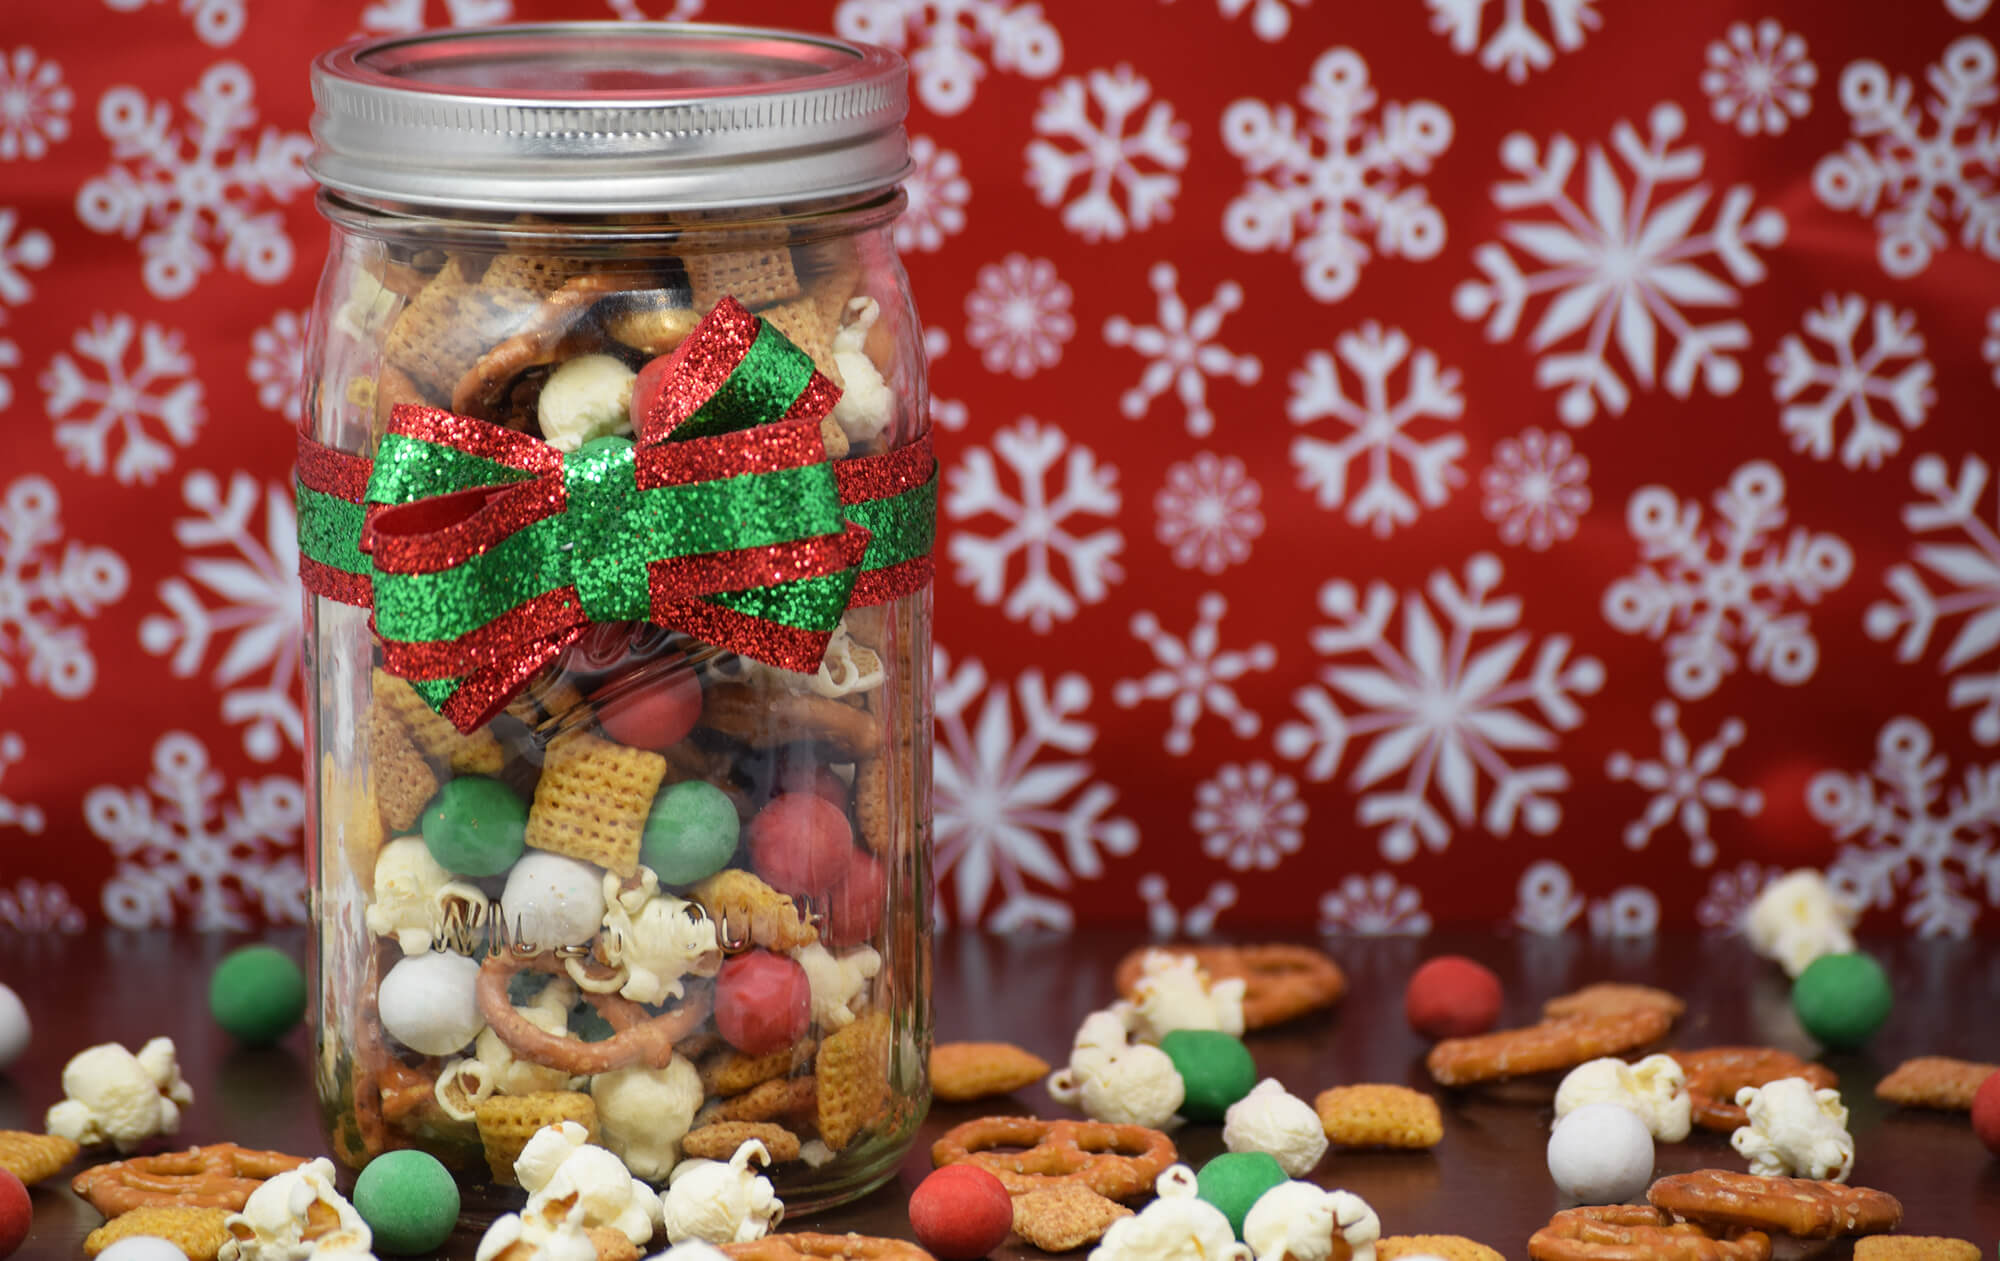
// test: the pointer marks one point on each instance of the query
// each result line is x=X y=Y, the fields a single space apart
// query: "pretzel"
x=1281 y=982
x=640 y=1037
x=767 y=719
x=1633 y=1232
x=1116 y=1161
x=1540 y=1048
x=556 y=331
x=1792 y=1206
x=1716 y=1074
x=221 y=1175
x=800 y=1245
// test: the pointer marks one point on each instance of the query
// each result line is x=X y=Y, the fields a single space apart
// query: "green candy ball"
x=691 y=833
x=257 y=994
x=409 y=1201
x=1233 y=1181
x=1215 y=1067
x=476 y=826
x=1842 y=999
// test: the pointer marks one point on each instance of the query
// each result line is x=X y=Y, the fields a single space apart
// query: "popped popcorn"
x=1173 y=992
x=837 y=981
x=1797 y=918
x=560 y=1163
x=1115 y=1080
x=1272 y=1120
x=652 y=939
x=295 y=1215
x=545 y=1232
x=1794 y=1131
x=587 y=397
x=413 y=893
x=642 y=1114
x=866 y=402
x=113 y=1096
x=722 y=1202
x=1175 y=1227
x=847 y=667
x=1298 y=1220
x=1655 y=1088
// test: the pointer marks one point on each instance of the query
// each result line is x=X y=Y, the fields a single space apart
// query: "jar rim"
x=608 y=117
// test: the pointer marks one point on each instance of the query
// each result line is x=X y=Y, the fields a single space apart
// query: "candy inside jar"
x=616 y=525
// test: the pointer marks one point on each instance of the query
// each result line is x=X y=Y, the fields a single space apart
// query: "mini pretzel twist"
x=640 y=1037
x=218 y=1176
x=1540 y=1048
x=1116 y=1161
x=1281 y=982
x=1716 y=1074
x=1633 y=1232
x=800 y=1245
x=1792 y=1206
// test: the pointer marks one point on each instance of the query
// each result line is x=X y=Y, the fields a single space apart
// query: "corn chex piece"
x=1915 y=1248
x=1064 y=1216
x=853 y=1072
x=962 y=1071
x=32 y=1157
x=593 y=798
x=199 y=1232
x=800 y=320
x=404 y=781
x=431 y=342
x=1375 y=1115
x=757 y=277
x=732 y=1072
x=433 y=734
x=720 y=1139
x=507 y=1122
x=1449 y=1247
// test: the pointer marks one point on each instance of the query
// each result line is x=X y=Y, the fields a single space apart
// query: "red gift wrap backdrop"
x=1491 y=462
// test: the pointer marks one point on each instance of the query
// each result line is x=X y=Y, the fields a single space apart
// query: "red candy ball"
x=653 y=707
x=651 y=382
x=854 y=908
x=763 y=1002
x=1452 y=996
x=801 y=843
x=16 y=1213
x=1986 y=1113
x=961 y=1212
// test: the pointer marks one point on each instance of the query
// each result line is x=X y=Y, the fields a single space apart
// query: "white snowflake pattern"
x=1817 y=392
x=1116 y=151
x=938 y=192
x=675 y=11
x=1037 y=525
x=34 y=105
x=119 y=401
x=256 y=585
x=1730 y=893
x=10 y=357
x=1630 y=911
x=13 y=814
x=1970 y=572
x=1514 y=45
x=1315 y=185
x=1182 y=349
x=1271 y=20
x=34 y=907
x=1443 y=712
x=1373 y=906
x=217 y=23
x=942 y=37
x=397 y=17
x=196 y=187
x=1195 y=674
x=219 y=860
x=1968 y=10
x=1930 y=843
x=1759 y=79
x=1726 y=585
x=1620 y=264
x=1003 y=804
x=1249 y=816
x=1546 y=903
x=1989 y=349
x=947 y=413
x=1535 y=488
x=278 y=364
x=1019 y=315
x=38 y=586
x=1381 y=423
x=1918 y=183
x=1684 y=784
x=30 y=250
x=1165 y=920
x=1208 y=512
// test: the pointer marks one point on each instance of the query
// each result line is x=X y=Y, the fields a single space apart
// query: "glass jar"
x=615 y=506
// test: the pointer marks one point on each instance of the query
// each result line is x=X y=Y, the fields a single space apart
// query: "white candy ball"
x=553 y=901
x=429 y=1003
x=142 y=1248
x=14 y=1027
x=1602 y=1153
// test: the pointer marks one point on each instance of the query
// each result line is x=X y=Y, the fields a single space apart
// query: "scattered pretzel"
x=1540 y=1048
x=1281 y=982
x=801 y=1245
x=1605 y=997
x=763 y=718
x=1791 y=1206
x=1716 y=1074
x=221 y=1175
x=639 y=1038
x=1633 y=1232
x=554 y=332
x=1116 y=1161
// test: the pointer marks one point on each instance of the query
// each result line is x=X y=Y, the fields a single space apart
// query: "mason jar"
x=615 y=510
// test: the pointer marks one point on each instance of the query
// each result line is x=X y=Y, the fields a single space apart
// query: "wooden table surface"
x=1487 y=1179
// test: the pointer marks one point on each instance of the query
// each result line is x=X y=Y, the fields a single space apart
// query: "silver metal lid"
x=608 y=117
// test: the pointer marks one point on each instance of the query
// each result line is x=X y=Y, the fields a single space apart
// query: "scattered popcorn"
x=560 y=1163
x=1299 y=1220
x=866 y=402
x=1175 y=1227
x=1794 y=1131
x=587 y=397
x=837 y=981
x=1655 y=1088
x=653 y=939
x=1115 y=1080
x=1270 y=1119
x=722 y=1202
x=545 y=1232
x=113 y=1096
x=1796 y=919
x=1173 y=992
x=294 y=1215
x=412 y=892
x=642 y=1114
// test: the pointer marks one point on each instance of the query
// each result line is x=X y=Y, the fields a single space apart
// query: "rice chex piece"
x=756 y=277
x=1935 y=1081
x=719 y=1140
x=1915 y=1248
x=1449 y=1247
x=404 y=781
x=963 y=1071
